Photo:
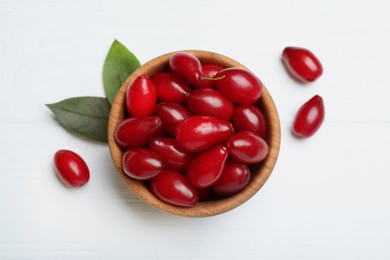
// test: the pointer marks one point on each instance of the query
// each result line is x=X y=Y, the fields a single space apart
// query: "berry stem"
x=219 y=78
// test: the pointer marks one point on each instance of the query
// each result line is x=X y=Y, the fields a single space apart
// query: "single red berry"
x=171 y=114
x=206 y=168
x=247 y=148
x=249 y=118
x=210 y=102
x=71 y=168
x=302 y=64
x=169 y=88
x=309 y=117
x=200 y=133
x=172 y=156
x=172 y=187
x=186 y=67
x=141 y=163
x=141 y=97
x=208 y=71
x=234 y=178
x=137 y=131
x=239 y=85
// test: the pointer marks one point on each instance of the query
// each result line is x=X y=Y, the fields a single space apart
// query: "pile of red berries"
x=192 y=132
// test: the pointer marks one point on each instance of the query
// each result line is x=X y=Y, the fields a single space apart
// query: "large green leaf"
x=119 y=64
x=86 y=116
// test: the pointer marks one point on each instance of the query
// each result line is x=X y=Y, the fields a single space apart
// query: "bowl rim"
x=201 y=209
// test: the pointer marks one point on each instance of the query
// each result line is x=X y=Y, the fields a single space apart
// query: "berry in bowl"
x=194 y=133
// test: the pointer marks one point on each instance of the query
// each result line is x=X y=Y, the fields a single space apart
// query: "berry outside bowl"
x=259 y=172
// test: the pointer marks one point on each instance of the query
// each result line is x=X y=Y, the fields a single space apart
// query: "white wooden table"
x=328 y=197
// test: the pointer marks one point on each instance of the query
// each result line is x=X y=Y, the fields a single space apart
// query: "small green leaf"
x=86 y=116
x=119 y=64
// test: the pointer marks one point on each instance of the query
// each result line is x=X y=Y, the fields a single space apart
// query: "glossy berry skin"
x=239 y=85
x=210 y=102
x=135 y=132
x=172 y=187
x=309 y=117
x=141 y=163
x=234 y=178
x=172 y=156
x=249 y=118
x=200 y=133
x=71 y=168
x=247 y=148
x=141 y=97
x=208 y=71
x=186 y=67
x=169 y=88
x=171 y=114
x=206 y=168
x=302 y=64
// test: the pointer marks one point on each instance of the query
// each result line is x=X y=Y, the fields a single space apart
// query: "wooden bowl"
x=260 y=172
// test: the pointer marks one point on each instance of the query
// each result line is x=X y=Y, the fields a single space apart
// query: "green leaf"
x=119 y=64
x=86 y=116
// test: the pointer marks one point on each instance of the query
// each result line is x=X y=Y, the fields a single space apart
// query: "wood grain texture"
x=328 y=197
x=260 y=172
